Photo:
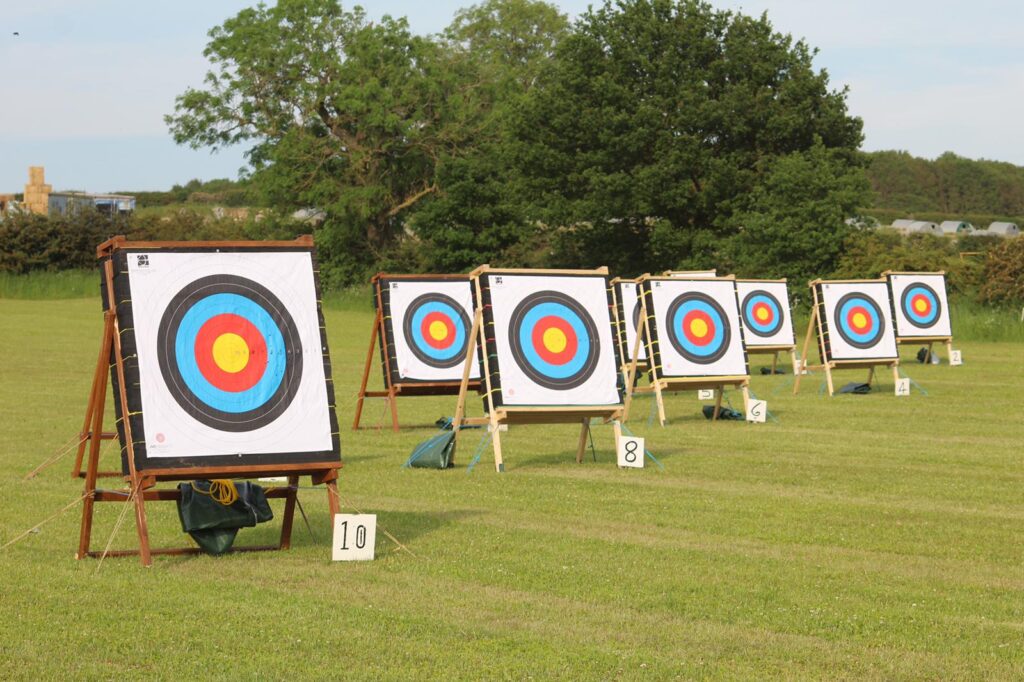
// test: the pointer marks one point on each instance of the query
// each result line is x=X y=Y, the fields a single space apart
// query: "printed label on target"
x=631 y=452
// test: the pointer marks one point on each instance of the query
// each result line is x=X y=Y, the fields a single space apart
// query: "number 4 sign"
x=355 y=537
x=903 y=387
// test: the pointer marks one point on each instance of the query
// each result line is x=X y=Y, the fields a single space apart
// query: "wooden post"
x=718 y=403
x=807 y=343
x=467 y=367
x=871 y=374
x=98 y=399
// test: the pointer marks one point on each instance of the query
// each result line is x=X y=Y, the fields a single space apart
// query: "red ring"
x=764 y=306
x=688 y=324
x=571 y=342
x=248 y=376
x=449 y=326
x=927 y=302
x=867 y=316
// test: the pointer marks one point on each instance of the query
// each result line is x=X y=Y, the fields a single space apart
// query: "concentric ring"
x=230 y=353
x=921 y=306
x=554 y=340
x=436 y=329
x=698 y=328
x=859 y=320
x=763 y=314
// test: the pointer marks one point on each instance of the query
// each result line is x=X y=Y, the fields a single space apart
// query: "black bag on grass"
x=434 y=453
x=856 y=388
x=726 y=413
x=214 y=524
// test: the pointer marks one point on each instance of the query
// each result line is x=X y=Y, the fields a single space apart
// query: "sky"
x=85 y=86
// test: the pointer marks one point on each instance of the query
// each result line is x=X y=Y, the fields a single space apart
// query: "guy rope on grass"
x=61 y=452
x=47 y=520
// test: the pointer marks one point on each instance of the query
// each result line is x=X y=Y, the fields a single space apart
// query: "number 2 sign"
x=355 y=537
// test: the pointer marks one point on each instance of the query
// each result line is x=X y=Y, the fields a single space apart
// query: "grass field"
x=860 y=536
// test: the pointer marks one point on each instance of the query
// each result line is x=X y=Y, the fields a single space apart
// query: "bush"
x=1004 y=274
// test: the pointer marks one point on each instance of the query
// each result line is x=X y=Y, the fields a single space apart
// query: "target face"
x=437 y=330
x=229 y=353
x=225 y=356
x=920 y=304
x=554 y=340
x=762 y=313
x=695 y=327
x=764 y=310
x=428 y=321
x=550 y=340
x=698 y=328
x=858 y=320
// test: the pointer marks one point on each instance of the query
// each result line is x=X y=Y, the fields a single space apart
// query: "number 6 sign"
x=355 y=537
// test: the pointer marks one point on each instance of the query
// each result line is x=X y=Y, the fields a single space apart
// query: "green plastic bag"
x=214 y=525
x=434 y=453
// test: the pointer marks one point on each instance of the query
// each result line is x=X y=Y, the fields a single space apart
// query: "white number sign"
x=355 y=537
x=706 y=394
x=757 y=411
x=631 y=452
x=955 y=358
x=902 y=387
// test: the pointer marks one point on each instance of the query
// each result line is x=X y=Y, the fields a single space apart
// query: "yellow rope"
x=222 y=490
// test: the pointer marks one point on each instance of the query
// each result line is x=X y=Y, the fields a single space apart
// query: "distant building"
x=955 y=227
x=914 y=226
x=903 y=223
x=40 y=198
x=1003 y=229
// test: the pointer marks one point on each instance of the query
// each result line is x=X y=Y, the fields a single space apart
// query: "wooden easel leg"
x=499 y=463
x=393 y=400
x=141 y=525
x=366 y=371
x=660 y=398
x=949 y=349
x=775 y=361
x=718 y=404
x=467 y=366
x=828 y=379
x=582 y=448
x=92 y=466
x=871 y=375
x=930 y=351
x=895 y=373
x=617 y=428
x=333 y=500
x=289 y=513
x=102 y=367
x=803 y=353
x=745 y=389
x=797 y=369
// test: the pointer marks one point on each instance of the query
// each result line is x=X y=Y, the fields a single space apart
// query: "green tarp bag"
x=434 y=453
x=724 y=413
x=214 y=524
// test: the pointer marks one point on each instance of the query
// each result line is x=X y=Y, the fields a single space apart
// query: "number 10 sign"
x=355 y=537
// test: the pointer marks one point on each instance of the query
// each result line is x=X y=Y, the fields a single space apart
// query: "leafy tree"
x=658 y=118
x=477 y=216
x=343 y=114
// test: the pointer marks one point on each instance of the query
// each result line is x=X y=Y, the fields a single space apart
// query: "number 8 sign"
x=355 y=537
x=631 y=452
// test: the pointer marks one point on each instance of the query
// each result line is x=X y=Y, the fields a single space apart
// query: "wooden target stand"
x=642 y=366
x=774 y=352
x=142 y=483
x=947 y=341
x=815 y=324
x=660 y=385
x=392 y=389
x=496 y=417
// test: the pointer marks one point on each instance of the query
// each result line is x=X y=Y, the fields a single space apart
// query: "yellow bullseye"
x=860 y=320
x=699 y=328
x=761 y=314
x=438 y=330
x=231 y=353
x=554 y=340
x=920 y=305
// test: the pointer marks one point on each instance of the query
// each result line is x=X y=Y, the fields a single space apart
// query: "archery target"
x=230 y=354
x=764 y=309
x=629 y=314
x=859 y=321
x=553 y=337
x=430 y=324
x=697 y=328
x=920 y=304
x=692 y=274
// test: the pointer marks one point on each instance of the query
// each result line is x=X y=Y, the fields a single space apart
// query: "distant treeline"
x=221 y=191
x=948 y=188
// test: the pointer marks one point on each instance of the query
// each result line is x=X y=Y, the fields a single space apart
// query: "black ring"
x=558 y=384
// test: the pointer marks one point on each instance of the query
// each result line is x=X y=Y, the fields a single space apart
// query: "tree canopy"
x=650 y=134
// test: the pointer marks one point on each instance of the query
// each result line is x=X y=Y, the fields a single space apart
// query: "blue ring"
x=712 y=346
x=908 y=309
x=456 y=348
x=185 y=353
x=751 y=321
x=530 y=320
x=854 y=338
